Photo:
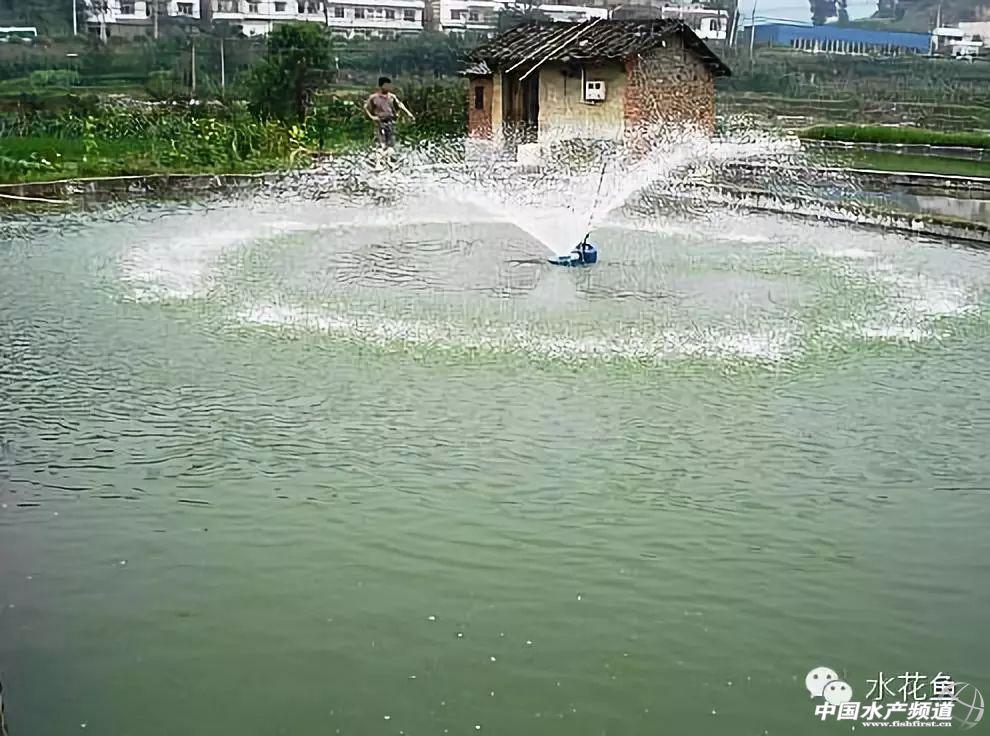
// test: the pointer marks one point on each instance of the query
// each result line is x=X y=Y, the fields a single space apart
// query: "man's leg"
x=387 y=130
x=379 y=155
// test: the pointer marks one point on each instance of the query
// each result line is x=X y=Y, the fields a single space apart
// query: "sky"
x=768 y=10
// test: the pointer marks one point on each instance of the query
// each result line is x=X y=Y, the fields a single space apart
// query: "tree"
x=51 y=17
x=843 y=11
x=821 y=11
x=526 y=13
x=299 y=59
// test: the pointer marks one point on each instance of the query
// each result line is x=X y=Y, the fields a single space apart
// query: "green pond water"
x=282 y=467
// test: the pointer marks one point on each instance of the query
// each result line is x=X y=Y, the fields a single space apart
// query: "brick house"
x=598 y=79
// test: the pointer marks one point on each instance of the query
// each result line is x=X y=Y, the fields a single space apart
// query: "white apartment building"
x=350 y=19
x=707 y=23
x=481 y=16
x=130 y=18
x=370 y=18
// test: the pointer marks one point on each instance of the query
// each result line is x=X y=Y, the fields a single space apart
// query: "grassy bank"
x=895 y=135
x=38 y=159
x=907 y=163
x=86 y=138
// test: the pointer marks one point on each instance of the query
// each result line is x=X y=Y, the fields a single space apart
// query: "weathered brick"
x=669 y=85
x=480 y=119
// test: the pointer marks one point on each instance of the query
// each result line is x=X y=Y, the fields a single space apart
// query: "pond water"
x=272 y=466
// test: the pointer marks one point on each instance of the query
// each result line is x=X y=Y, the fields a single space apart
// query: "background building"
x=600 y=80
x=379 y=18
x=351 y=19
x=838 y=40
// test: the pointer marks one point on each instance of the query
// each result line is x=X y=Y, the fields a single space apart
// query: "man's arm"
x=402 y=107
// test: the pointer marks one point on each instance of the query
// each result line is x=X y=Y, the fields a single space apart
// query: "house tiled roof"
x=594 y=40
x=477 y=69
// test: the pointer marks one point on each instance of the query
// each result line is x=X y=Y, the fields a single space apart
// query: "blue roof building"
x=831 y=39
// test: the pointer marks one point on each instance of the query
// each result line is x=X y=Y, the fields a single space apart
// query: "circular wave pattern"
x=726 y=286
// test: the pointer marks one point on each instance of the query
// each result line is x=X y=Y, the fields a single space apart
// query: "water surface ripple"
x=292 y=467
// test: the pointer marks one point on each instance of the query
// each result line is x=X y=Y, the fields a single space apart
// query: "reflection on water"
x=283 y=466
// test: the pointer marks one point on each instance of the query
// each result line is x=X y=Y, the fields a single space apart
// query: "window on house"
x=409 y=15
x=127 y=8
x=456 y=14
x=473 y=17
x=338 y=11
x=185 y=8
x=147 y=9
x=359 y=13
x=279 y=7
x=479 y=98
x=301 y=8
x=252 y=7
x=390 y=15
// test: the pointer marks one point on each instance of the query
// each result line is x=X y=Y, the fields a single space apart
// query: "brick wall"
x=669 y=85
x=480 y=120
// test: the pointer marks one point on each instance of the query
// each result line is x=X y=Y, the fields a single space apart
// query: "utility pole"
x=933 y=46
x=223 y=68
x=75 y=19
x=100 y=8
x=752 y=32
x=154 y=17
x=193 y=95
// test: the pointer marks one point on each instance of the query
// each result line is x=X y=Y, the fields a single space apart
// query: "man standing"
x=381 y=109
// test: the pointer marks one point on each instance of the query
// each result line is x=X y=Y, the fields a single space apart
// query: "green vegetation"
x=147 y=69
x=89 y=138
x=298 y=61
x=858 y=81
x=119 y=140
x=51 y=17
x=887 y=134
x=936 y=116
x=267 y=103
x=27 y=159
x=906 y=162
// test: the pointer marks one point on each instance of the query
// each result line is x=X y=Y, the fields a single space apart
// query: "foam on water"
x=438 y=256
x=384 y=330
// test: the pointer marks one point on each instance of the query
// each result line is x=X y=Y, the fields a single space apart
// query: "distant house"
x=710 y=24
x=598 y=79
x=830 y=39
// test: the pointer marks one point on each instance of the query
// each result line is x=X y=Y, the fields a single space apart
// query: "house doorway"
x=521 y=108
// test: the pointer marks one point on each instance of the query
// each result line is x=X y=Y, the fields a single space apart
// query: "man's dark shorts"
x=385 y=133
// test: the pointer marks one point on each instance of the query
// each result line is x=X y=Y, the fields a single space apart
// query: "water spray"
x=584 y=253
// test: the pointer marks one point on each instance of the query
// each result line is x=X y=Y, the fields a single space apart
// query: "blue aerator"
x=584 y=254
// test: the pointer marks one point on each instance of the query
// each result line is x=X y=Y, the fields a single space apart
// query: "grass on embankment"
x=39 y=159
x=879 y=161
x=894 y=135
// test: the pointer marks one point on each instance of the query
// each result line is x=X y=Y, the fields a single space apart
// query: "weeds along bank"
x=84 y=136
